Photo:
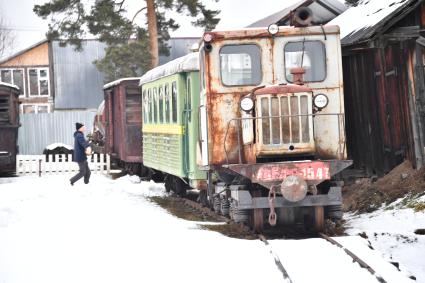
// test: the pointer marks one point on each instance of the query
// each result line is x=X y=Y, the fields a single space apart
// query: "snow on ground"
x=391 y=233
x=108 y=231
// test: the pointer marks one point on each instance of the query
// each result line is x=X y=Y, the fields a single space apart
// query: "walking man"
x=81 y=149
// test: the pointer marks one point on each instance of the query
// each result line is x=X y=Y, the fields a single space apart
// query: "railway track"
x=263 y=238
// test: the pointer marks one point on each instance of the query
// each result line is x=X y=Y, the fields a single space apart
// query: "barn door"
x=397 y=104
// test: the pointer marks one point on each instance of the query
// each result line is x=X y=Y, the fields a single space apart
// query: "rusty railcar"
x=123 y=123
x=272 y=133
x=9 y=124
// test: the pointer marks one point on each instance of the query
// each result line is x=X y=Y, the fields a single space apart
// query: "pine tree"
x=127 y=42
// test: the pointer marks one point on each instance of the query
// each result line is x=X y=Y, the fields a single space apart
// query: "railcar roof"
x=117 y=82
x=187 y=63
x=9 y=85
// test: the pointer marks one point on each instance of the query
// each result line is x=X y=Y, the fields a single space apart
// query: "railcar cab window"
x=150 y=102
x=240 y=65
x=311 y=55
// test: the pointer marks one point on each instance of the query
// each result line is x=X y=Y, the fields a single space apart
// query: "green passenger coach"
x=170 y=123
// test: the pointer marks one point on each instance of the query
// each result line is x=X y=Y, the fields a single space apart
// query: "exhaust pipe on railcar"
x=302 y=17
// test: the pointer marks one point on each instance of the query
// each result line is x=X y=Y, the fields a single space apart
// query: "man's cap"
x=78 y=126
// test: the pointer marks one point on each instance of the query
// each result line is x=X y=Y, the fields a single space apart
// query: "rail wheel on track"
x=319 y=218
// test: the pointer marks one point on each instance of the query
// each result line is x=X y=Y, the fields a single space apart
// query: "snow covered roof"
x=187 y=63
x=117 y=82
x=362 y=22
x=9 y=85
x=323 y=12
x=58 y=144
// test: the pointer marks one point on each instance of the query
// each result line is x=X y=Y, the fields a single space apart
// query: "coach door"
x=187 y=122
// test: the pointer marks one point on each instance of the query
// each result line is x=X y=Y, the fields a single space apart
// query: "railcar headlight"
x=247 y=104
x=320 y=100
x=273 y=29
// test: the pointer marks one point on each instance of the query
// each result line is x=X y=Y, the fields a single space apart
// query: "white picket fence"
x=41 y=165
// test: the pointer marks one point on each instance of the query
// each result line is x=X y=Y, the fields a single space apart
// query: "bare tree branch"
x=7 y=38
x=138 y=12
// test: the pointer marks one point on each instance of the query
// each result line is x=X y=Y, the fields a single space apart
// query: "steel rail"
x=354 y=257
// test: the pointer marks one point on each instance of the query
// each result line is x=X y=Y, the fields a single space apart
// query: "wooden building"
x=31 y=71
x=383 y=61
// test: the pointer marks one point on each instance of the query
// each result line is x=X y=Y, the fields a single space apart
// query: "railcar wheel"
x=257 y=215
x=168 y=184
x=179 y=187
x=319 y=218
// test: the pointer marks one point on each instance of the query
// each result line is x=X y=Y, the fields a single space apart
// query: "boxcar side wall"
x=9 y=124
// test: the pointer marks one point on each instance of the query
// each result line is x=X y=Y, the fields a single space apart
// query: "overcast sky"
x=30 y=29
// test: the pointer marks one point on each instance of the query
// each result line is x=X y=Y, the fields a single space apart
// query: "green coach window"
x=161 y=104
x=174 y=101
x=167 y=102
x=150 y=103
x=155 y=105
x=144 y=102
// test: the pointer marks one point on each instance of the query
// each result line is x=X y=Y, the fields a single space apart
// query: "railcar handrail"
x=342 y=138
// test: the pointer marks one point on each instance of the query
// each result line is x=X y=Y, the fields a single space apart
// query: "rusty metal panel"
x=9 y=124
x=123 y=107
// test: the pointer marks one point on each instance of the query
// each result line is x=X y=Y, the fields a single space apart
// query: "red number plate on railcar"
x=305 y=170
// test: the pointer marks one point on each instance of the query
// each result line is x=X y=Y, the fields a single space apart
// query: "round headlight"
x=247 y=104
x=208 y=37
x=273 y=29
x=320 y=101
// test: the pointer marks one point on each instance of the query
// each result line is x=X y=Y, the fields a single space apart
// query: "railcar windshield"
x=240 y=65
x=311 y=55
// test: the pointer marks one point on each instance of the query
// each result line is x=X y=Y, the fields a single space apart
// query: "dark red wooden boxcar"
x=9 y=124
x=123 y=112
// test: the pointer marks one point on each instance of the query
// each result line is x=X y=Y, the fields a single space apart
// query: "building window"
x=35 y=108
x=38 y=79
x=13 y=76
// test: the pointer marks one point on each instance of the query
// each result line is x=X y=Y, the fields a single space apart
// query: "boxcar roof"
x=117 y=82
x=9 y=85
x=187 y=63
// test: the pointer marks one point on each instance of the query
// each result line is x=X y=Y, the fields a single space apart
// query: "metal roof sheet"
x=78 y=83
x=362 y=22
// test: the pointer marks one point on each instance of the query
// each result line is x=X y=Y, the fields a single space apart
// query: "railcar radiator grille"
x=285 y=130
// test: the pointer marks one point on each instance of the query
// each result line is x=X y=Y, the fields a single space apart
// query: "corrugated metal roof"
x=364 y=21
x=323 y=12
x=179 y=46
x=187 y=63
x=78 y=83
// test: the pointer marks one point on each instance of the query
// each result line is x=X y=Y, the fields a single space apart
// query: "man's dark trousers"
x=84 y=172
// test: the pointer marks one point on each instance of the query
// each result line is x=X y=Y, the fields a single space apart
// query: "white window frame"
x=38 y=81
x=23 y=78
x=21 y=109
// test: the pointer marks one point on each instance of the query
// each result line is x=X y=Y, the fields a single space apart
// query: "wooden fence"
x=59 y=164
